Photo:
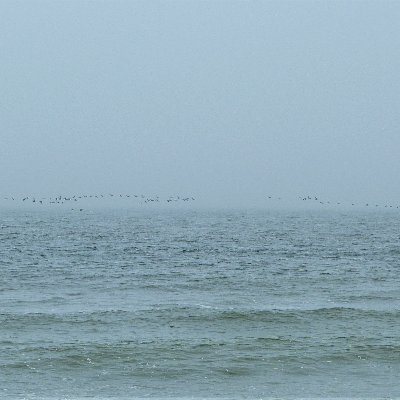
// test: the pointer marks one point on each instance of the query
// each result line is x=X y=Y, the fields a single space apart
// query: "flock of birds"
x=316 y=199
x=79 y=199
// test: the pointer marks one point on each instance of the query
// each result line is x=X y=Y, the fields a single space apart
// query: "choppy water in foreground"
x=230 y=304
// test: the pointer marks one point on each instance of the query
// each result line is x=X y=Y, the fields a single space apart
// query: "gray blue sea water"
x=199 y=304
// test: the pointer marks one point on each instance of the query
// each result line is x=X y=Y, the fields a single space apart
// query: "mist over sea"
x=199 y=304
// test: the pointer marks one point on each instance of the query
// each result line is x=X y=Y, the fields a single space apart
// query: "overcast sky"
x=222 y=100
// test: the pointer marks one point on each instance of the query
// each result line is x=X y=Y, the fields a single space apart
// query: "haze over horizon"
x=228 y=102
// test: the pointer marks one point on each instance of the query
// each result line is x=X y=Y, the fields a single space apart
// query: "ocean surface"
x=199 y=304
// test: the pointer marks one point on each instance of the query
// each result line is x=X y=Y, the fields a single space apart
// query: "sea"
x=199 y=304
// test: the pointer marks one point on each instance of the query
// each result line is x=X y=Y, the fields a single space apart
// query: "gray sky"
x=217 y=99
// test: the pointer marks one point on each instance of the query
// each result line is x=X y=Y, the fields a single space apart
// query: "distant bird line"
x=323 y=202
x=145 y=199
x=61 y=199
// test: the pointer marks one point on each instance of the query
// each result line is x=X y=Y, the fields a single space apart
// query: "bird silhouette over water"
x=142 y=199
x=127 y=199
x=312 y=199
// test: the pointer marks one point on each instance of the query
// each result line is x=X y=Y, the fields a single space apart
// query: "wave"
x=202 y=311
x=180 y=357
